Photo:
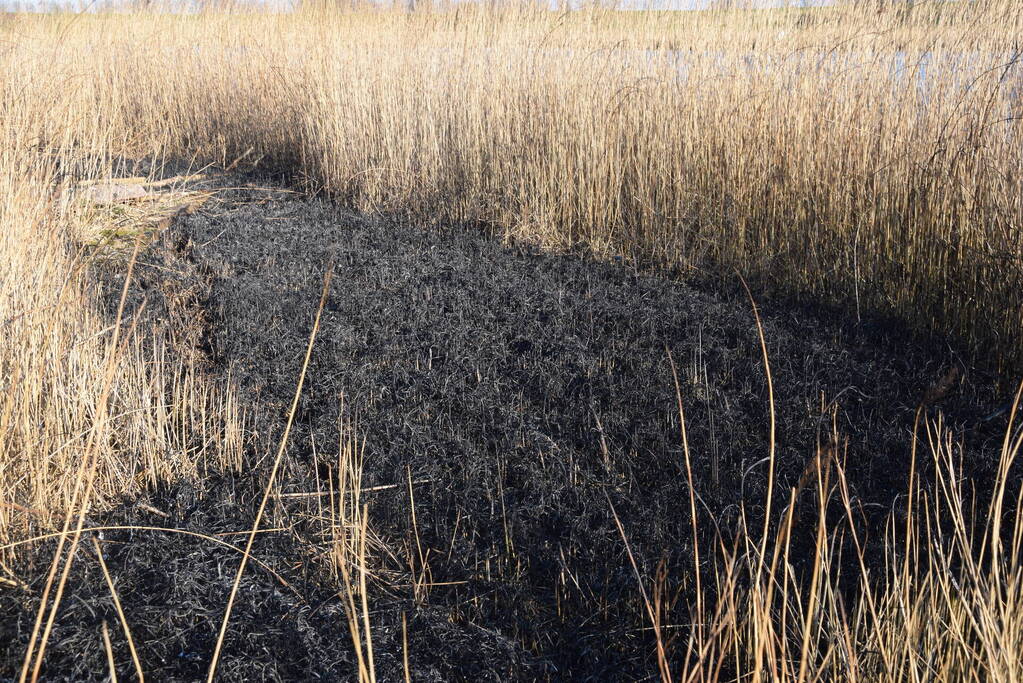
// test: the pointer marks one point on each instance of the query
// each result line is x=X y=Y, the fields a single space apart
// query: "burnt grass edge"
x=531 y=393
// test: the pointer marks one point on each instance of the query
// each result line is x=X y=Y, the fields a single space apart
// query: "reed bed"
x=944 y=604
x=865 y=155
x=91 y=410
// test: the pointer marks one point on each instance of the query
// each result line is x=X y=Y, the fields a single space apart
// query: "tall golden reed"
x=866 y=154
x=164 y=419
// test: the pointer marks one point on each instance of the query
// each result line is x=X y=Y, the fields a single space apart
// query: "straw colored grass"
x=163 y=418
x=867 y=158
x=945 y=606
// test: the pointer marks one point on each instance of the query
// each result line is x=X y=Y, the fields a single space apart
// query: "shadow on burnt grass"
x=519 y=416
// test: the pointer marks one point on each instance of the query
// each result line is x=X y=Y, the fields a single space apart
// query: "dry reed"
x=866 y=154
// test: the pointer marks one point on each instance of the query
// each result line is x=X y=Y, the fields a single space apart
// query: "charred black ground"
x=524 y=394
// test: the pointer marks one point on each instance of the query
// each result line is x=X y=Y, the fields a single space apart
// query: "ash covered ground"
x=525 y=395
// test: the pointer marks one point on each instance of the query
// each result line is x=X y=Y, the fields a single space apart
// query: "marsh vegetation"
x=427 y=353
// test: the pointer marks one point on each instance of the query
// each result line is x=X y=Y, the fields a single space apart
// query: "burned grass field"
x=491 y=342
x=501 y=426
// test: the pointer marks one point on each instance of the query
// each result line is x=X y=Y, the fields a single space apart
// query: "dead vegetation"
x=865 y=156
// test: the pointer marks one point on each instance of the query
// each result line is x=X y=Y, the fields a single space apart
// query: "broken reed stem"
x=120 y=611
x=183 y=532
x=697 y=569
x=110 y=653
x=365 y=595
x=662 y=650
x=758 y=663
x=404 y=648
x=368 y=489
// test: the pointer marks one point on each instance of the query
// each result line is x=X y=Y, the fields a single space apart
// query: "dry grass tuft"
x=946 y=605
